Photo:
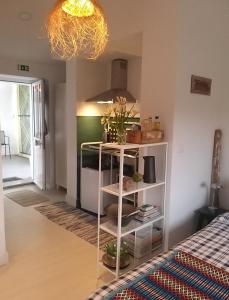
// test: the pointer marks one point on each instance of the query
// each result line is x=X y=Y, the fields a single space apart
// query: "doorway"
x=22 y=133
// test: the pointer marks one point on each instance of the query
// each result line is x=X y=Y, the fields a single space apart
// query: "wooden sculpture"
x=215 y=176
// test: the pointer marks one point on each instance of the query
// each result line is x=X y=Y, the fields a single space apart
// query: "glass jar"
x=121 y=137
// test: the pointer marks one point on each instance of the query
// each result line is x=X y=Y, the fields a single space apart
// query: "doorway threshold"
x=16 y=183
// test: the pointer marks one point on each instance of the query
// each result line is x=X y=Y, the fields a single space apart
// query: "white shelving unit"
x=117 y=190
x=135 y=188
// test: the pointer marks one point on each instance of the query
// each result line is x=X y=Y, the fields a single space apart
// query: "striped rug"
x=76 y=221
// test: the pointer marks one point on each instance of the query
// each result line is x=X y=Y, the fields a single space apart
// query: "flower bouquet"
x=117 y=116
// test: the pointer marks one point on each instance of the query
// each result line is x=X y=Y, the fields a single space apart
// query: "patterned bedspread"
x=210 y=247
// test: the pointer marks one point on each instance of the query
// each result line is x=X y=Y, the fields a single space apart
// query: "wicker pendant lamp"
x=77 y=28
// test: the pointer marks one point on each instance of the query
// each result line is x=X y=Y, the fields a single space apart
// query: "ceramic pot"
x=128 y=213
x=110 y=261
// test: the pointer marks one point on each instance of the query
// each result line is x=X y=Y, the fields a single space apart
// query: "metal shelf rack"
x=117 y=189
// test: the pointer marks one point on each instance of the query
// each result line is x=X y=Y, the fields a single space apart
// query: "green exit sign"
x=24 y=68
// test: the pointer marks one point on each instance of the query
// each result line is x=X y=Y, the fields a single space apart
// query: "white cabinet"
x=90 y=189
x=60 y=136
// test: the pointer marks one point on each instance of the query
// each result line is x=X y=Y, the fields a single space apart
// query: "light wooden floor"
x=46 y=261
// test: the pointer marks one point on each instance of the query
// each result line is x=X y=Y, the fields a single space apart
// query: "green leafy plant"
x=121 y=114
x=137 y=177
x=111 y=249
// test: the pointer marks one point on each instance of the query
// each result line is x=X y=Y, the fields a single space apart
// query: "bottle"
x=157 y=124
x=147 y=124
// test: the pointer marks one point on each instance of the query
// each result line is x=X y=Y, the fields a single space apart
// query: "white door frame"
x=3 y=251
x=38 y=132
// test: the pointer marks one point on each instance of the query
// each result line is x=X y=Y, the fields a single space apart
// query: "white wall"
x=158 y=89
x=84 y=80
x=134 y=77
x=8 y=114
x=91 y=81
x=182 y=38
x=203 y=50
x=225 y=161
x=54 y=73
x=71 y=132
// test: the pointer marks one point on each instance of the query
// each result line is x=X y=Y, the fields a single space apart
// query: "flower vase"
x=121 y=137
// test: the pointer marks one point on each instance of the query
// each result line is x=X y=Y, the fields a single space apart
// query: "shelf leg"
x=111 y=174
x=119 y=229
x=165 y=207
x=99 y=213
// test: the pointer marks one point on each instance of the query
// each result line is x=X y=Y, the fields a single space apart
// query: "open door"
x=38 y=103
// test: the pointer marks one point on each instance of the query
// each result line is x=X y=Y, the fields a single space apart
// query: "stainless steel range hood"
x=118 y=84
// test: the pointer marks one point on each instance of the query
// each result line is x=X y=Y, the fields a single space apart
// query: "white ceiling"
x=28 y=39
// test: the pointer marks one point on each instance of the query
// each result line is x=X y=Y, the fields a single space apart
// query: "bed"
x=197 y=268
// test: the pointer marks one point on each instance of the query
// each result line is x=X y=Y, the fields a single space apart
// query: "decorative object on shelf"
x=156 y=236
x=147 y=124
x=141 y=244
x=147 y=133
x=137 y=177
x=147 y=212
x=201 y=85
x=117 y=116
x=134 y=136
x=77 y=27
x=110 y=257
x=112 y=135
x=153 y=136
x=146 y=241
x=121 y=116
x=106 y=122
x=157 y=124
x=121 y=137
x=127 y=183
x=215 y=176
x=149 y=169
x=105 y=136
x=128 y=213
x=151 y=131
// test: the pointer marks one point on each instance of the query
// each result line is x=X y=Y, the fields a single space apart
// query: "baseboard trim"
x=4 y=259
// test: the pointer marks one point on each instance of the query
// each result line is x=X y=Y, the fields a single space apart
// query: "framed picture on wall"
x=201 y=85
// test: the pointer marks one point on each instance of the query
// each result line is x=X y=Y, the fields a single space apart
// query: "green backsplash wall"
x=89 y=129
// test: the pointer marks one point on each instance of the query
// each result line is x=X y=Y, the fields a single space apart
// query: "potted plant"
x=117 y=116
x=109 y=258
x=137 y=177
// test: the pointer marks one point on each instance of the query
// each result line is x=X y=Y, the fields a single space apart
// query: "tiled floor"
x=46 y=261
x=17 y=166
